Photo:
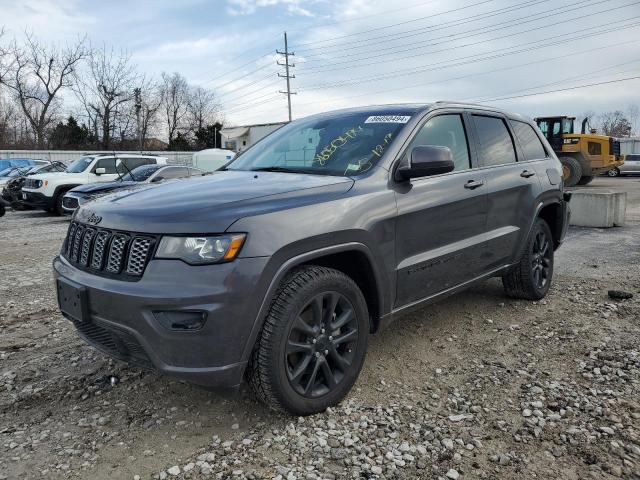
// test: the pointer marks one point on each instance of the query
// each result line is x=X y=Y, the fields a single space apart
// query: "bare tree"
x=37 y=74
x=148 y=100
x=614 y=124
x=105 y=89
x=203 y=109
x=174 y=91
x=4 y=60
x=633 y=114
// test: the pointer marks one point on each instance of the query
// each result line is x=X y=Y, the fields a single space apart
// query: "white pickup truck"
x=46 y=190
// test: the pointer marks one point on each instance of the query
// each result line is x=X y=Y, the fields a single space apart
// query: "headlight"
x=37 y=183
x=201 y=250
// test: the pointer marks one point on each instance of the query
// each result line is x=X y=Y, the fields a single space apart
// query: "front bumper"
x=122 y=318
x=36 y=200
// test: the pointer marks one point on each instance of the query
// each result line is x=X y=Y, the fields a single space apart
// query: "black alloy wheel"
x=313 y=342
x=531 y=277
x=321 y=344
x=541 y=259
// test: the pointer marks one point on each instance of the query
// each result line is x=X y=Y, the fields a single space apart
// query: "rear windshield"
x=342 y=144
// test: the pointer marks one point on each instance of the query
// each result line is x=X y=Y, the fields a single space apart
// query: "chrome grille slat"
x=86 y=245
x=76 y=243
x=138 y=255
x=116 y=253
x=106 y=252
x=98 y=250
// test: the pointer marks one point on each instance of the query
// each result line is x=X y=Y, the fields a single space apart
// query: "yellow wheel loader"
x=583 y=155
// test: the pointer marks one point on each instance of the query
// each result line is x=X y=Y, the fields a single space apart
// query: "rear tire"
x=571 y=171
x=530 y=278
x=313 y=342
x=585 y=180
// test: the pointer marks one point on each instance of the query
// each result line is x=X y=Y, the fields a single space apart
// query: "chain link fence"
x=67 y=156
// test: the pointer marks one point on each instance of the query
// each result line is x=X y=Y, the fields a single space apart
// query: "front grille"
x=114 y=341
x=108 y=252
x=70 y=202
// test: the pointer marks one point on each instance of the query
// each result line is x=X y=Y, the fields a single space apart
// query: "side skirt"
x=389 y=318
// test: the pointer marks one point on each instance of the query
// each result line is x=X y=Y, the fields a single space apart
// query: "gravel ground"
x=476 y=386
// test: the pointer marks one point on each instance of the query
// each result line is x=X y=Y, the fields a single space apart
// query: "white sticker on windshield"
x=387 y=119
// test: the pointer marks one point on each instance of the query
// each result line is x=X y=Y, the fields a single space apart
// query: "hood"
x=104 y=187
x=211 y=203
x=51 y=175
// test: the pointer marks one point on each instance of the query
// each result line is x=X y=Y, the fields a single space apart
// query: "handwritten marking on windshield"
x=335 y=144
x=379 y=149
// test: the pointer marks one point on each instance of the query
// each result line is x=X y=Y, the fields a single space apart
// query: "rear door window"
x=532 y=147
x=495 y=146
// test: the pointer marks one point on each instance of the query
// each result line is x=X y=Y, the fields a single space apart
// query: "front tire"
x=614 y=172
x=571 y=171
x=530 y=278
x=313 y=342
x=58 y=209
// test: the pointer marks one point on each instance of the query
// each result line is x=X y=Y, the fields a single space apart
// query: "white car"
x=47 y=190
x=631 y=166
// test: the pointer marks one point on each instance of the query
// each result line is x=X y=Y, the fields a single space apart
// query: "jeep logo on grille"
x=94 y=219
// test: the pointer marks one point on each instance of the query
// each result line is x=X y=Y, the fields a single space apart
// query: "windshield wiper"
x=277 y=169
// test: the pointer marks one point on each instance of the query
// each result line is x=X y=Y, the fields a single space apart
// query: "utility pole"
x=287 y=65
x=137 y=93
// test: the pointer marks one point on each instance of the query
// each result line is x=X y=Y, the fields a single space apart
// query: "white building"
x=629 y=145
x=241 y=138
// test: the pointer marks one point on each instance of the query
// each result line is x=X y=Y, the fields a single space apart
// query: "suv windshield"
x=79 y=165
x=141 y=173
x=344 y=144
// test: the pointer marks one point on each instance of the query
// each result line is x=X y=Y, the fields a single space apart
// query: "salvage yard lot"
x=476 y=386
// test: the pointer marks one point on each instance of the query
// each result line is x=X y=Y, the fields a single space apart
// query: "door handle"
x=471 y=184
x=527 y=174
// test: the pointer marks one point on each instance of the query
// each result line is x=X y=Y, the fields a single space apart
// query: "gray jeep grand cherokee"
x=279 y=267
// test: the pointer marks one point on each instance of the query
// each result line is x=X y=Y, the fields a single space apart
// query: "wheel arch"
x=348 y=258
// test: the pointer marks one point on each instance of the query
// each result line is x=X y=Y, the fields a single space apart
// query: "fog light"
x=181 y=321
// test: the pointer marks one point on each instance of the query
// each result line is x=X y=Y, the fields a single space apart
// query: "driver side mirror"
x=100 y=171
x=426 y=160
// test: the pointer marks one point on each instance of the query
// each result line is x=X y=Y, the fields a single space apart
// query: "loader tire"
x=571 y=171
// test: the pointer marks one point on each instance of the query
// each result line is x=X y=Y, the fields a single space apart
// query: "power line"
x=421 y=30
x=474 y=75
x=463 y=37
x=563 y=89
x=470 y=58
x=399 y=23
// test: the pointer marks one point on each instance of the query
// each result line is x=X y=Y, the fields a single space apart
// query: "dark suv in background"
x=279 y=267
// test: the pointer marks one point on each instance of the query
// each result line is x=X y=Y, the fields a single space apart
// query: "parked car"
x=12 y=191
x=47 y=190
x=12 y=172
x=140 y=175
x=280 y=266
x=631 y=166
x=19 y=162
x=212 y=159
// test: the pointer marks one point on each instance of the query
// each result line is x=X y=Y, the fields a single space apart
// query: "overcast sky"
x=359 y=52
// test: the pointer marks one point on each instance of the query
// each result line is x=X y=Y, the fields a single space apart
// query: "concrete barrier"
x=598 y=208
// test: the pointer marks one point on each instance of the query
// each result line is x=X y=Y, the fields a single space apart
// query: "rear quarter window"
x=532 y=147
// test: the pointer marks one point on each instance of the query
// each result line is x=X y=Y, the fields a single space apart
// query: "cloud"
x=48 y=19
x=248 y=7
